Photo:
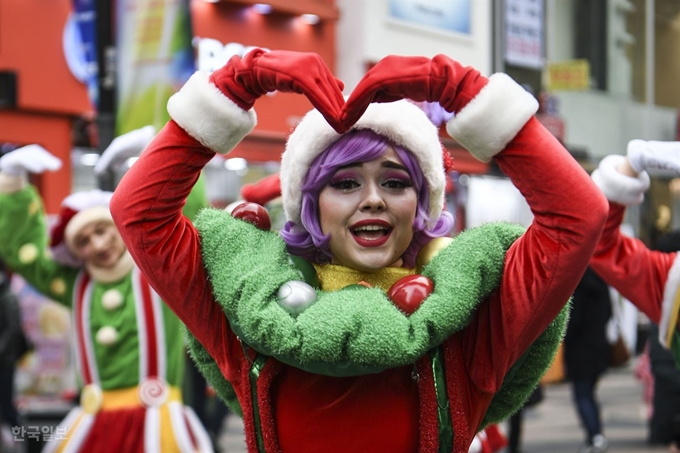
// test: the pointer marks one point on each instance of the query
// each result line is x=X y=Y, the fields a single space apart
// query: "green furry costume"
x=333 y=337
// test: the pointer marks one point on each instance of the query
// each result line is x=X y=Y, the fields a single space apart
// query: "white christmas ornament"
x=295 y=296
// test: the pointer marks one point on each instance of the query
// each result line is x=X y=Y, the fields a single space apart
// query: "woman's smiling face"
x=368 y=210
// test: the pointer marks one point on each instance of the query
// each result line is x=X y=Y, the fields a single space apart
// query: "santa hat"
x=76 y=211
x=402 y=122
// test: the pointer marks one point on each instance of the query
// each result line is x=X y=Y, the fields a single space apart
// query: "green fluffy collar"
x=355 y=330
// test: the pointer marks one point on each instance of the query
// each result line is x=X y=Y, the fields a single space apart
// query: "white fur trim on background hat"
x=617 y=187
x=403 y=123
x=76 y=211
x=493 y=117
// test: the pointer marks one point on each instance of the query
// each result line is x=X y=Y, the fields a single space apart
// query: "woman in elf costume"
x=649 y=279
x=128 y=355
x=491 y=439
x=341 y=355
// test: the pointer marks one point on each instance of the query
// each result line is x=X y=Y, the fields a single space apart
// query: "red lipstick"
x=386 y=228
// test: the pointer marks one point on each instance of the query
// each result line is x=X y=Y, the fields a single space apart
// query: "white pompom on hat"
x=77 y=210
x=402 y=122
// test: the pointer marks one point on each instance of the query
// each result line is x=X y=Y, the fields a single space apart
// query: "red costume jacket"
x=649 y=279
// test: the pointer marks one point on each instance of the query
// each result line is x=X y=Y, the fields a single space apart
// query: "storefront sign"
x=445 y=15
x=524 y=33
x=569 y=75
x=212 y=54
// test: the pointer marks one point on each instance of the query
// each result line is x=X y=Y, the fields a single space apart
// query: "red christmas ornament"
x=408 y=293
x=253 y=213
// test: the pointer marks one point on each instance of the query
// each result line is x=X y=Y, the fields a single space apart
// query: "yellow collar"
x=334 y=277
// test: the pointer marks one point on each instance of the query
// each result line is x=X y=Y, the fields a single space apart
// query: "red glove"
x=439 y=79
x=243 y=80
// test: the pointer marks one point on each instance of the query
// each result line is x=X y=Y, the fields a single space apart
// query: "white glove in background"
x=654 y=155
x=29 y=159
x=124 y=147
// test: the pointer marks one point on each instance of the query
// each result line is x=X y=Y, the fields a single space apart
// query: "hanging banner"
x=524 y=33
x=154 y=59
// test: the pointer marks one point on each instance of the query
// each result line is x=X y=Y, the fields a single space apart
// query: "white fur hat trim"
x=493 y=118
x=401 y=122
x=210 y=117
x=617 y=187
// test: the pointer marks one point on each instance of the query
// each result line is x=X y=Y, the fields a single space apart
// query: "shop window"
x=610 y=35
x=590 y=43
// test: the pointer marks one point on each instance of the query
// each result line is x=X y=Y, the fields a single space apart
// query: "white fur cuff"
x=493 y=118
x=206 y=114
x=617 y=187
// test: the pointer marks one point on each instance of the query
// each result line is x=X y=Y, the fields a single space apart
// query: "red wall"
x=48 y=95
x=235 y=21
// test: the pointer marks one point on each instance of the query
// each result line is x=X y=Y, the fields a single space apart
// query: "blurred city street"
x=551 y=426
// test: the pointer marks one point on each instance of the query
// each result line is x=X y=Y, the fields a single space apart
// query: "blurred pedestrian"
x=664 y=423
x=586 y=355
x=129 y=353
x=643 y=372
x=516 y=421
x=209 y=408
x=13 y=344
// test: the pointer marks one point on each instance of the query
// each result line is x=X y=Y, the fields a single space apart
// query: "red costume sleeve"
x=147 y=209
x=625 y=263
x=543 y=267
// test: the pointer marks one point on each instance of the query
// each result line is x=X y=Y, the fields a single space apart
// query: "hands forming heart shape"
x=393 y=78
x=439 y=79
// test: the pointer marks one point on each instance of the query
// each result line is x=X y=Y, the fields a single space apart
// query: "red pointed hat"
x=76 y=211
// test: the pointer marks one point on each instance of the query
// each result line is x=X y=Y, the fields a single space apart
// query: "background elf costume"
x=649 y=279
x=352 y=373
x=128 y=353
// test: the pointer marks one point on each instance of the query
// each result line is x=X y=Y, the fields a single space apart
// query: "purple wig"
x=308 y=241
